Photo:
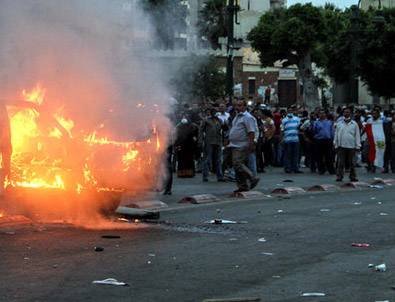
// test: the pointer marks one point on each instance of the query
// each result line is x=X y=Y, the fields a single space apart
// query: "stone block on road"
x=288 y=190
x=198 y=199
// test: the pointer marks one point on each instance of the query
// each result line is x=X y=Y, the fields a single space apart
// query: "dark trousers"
x=240 y=164
x=212 y=158
x=268 y=151
x=346 y=156
x=389 y=157
x=291 y=157
x=259 y=155
x=325 y=156
x=168 y=182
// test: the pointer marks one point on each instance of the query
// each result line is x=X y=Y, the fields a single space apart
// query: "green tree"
x=205 y=83
x=168 y=18
x=292 y=36
x=377 y=54
x=212 y=22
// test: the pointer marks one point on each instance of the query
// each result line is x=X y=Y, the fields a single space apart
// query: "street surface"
x=307 y=248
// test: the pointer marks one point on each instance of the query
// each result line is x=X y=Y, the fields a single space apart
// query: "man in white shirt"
x=347 y=141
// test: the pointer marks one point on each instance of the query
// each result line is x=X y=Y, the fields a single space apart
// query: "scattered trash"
x=110 y=281
x=370 y=265
x=262 y=240
x=276 y=277
x=233 y=239
x=218 y=210
x=381 y=267
x=224 y=221
x=325 y=210
x=382 y=301
x=383 y=214
x=148 y=262
x=357 y=203
x=99 y=249
x=280 y=211
x=313 y=295
x=288 y=180
x=110 y=236
x=55 y=266
x=123 y=220
x=151 y=255
x=376 y=187
x=360 y=244
x=267 y=254
x=373 y=198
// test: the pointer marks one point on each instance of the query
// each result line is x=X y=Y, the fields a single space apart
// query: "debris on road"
x=370 y=265
x=262 y=239
x=313 y=295
x=280 y=211
x=224 y=221
x=325 y=210
x=267 y=254
x=360 y=244
x=99 y=249
x=381 y=268
x=377 y=187
x=110 y=281
x=383 y=214
x=357 y=203
x=288 y=180
x=110 y=236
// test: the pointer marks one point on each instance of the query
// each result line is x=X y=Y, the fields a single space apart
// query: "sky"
x=338 y=3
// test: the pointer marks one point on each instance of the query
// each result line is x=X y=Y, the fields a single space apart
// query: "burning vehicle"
x=60 y=169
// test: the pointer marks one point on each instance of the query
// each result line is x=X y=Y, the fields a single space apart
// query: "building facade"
x=365 y=4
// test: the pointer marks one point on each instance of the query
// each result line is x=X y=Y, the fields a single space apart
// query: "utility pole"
x=231 y=10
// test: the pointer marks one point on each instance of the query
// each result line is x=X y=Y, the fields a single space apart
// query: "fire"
x=36 y=96
x=52 y=151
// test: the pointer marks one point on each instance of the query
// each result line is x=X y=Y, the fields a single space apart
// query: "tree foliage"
x=377 y=54
x=288 y=34
x=212 y=22
x=199 y=84
x=292 y=35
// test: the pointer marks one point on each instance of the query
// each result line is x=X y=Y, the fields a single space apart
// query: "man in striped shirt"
x=290 y=133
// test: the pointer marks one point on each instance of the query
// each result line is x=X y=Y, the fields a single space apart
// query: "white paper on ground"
x=110 y=281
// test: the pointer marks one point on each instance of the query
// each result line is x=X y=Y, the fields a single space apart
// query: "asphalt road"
x=182 y=258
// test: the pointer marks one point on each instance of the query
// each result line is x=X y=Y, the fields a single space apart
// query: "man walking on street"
x=347 y=141
x=241 y=142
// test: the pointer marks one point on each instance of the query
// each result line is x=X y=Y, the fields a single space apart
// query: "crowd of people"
x=238 y=140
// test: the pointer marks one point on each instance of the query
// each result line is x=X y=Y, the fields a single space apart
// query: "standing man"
x=290 y=127
x=376 y=139
x=347 y=141
x=241 y=142
x=211 y=136
x=323 y=131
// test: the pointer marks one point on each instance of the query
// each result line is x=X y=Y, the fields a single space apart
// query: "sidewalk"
x=272 y=179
